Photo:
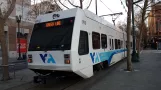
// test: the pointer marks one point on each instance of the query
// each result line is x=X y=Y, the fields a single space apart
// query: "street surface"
x=19 y=65
x=145 y=76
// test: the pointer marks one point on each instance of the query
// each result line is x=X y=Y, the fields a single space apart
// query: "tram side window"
x=96 y=40
x=83 y=43
x=121 y=44
x=110 y=44
x=116 y=44
x=104 y=40
x=126 y=44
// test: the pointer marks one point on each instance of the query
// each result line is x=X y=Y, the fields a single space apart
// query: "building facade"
x=154 y=21
x=26 y=10
x=11 y=29
x=154 y=25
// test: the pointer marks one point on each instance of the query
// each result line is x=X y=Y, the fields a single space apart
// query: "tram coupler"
x=40 y=79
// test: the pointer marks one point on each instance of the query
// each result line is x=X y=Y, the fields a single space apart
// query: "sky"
x=114 y=6
x=109 y=7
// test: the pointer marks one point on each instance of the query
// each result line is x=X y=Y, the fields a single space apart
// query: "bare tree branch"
x=146 y=17
x=89 y=4
x=62 y=4
x=153 y=5
x=57 y=4
x=1 y=14
x=139 y=6
x=72 y=4
x=10 y=9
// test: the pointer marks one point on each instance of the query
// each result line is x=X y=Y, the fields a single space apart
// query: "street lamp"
x=18 y=19
x=134 y=55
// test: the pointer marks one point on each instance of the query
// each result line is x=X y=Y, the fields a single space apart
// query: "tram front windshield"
x=53 y=35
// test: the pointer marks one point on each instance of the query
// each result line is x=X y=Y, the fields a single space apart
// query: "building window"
x=104 y=40
x=6 y=36
x=83 y=43
x=96 y=40
x=131 y=44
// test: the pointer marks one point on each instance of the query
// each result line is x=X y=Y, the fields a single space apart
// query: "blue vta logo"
x=94 y=57
x=47 y=58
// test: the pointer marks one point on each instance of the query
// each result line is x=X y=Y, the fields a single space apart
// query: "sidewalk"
x=12 y=60
x=22 y=77
x=146 y=75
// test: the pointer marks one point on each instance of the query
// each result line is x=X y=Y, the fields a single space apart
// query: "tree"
x=122 y=25
x=140 y=20
x=73 y=3
x=129 y=64
x=142 y=25
x=42 y=7
x=4 y=14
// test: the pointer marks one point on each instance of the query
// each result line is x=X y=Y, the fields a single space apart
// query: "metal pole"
x=81 y=5
x=18 y=18
x=96 y=6
x=134 y=56
x=19 y=41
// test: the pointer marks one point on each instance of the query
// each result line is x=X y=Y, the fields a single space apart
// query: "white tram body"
x=74 y=41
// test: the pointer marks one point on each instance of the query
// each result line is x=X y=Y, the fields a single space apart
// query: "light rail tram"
x=74 y=41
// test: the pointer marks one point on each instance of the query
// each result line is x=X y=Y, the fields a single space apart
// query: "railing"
x=12 y=65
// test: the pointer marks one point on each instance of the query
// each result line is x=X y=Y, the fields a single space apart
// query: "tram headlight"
x=67 y=61
x=67 y=58
x=29 y=58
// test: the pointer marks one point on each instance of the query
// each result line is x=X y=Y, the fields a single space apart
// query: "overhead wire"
x=123 y=5
x=89 y=4
x=106 y=6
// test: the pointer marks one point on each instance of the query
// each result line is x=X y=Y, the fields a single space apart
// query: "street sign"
x=23 y=45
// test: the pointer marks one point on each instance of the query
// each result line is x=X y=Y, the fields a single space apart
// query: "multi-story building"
x=154 y=21
x=154 y=25
x=11 y=30
x=25 y=9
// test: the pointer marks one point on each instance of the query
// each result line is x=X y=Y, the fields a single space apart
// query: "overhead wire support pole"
x=96 y=6
x=114 y=14
x=134 y=55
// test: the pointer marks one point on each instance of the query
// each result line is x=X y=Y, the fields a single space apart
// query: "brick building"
x=11 y=30
x=25 y=9
x=154 y=21
x=154 y=24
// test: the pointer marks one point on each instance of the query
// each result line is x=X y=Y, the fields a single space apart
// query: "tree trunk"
x=142 y=26
x=4 y=53
x=129 y=64
x=140 y=39
x=139 y=44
